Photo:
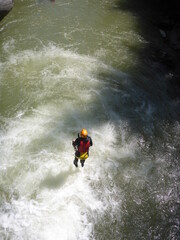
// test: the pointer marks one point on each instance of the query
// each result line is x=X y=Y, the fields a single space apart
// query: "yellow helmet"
x=83 y=133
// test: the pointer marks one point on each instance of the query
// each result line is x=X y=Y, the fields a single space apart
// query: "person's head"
x=83 y=133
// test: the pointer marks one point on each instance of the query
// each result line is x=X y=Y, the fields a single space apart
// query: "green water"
x=74 y=64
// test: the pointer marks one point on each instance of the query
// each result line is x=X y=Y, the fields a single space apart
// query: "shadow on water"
x=159 y=24
x=155 y=82
x=54 y=182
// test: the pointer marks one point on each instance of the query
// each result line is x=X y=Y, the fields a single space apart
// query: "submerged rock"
x=5 y=7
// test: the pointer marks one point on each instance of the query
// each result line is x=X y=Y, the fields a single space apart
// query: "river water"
x=66 y=65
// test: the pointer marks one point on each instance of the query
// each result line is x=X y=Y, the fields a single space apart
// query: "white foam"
x=8 y=46
x=63 y=200
x=55 y=200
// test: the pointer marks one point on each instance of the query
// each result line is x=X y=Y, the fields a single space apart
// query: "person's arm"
x=75 y=143
x=91 y=143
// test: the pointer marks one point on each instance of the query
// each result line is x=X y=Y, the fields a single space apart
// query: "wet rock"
x=5 y=7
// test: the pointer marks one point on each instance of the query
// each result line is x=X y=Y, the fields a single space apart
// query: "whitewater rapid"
x=44 y=195
x=70 y=65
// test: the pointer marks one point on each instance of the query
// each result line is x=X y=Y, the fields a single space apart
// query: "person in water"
x=81 y=146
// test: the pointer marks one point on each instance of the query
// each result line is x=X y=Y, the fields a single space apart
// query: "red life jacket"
x=84 y=146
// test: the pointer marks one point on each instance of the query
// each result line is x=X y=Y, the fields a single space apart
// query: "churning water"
x=73 y=64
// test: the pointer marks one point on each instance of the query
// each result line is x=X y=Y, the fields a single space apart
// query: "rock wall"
x=5 y=7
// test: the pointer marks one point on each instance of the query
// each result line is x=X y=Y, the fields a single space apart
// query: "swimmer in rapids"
x=81 y=146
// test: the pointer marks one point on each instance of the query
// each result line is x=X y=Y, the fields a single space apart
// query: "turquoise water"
x=68 y=65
